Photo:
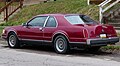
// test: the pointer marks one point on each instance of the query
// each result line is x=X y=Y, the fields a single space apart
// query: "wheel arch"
x=60 y=33
x=12 y=31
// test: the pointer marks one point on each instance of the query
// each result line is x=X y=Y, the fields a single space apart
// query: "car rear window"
x=80 y=19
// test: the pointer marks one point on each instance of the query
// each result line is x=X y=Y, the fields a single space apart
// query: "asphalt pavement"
x=45 y=56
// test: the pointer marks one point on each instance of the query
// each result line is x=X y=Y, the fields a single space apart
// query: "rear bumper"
x=102 y=41
x=96 y=42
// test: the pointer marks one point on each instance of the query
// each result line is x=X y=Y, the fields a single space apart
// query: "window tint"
x=51 y=22
x=74 y=19
x=38 y=21
x=80 y=19
x=88 y=20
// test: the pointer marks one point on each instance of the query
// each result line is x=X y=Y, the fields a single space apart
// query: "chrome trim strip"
x=55 y=21
x=47 y=41
x=35 y=40
x=113 y=37
x=78 y=42
x=31 y=40
x=87 y=33
x=50 y=41
x=46 y=21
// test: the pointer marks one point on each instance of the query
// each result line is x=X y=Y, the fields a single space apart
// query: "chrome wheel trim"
x=12 y=40
x=60 y=45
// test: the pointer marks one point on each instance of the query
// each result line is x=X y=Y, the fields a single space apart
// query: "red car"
x=63 y=31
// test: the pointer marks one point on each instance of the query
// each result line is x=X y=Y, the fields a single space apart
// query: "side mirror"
x=24 y=24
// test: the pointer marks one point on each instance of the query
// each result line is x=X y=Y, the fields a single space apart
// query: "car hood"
x=15 y=28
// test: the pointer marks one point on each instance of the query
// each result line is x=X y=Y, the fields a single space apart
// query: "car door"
x=50 y=28
x=33 y=31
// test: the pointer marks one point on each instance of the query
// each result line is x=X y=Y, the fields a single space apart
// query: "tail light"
x=85 y=33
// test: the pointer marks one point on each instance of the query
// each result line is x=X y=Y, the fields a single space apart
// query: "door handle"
x=41 y=29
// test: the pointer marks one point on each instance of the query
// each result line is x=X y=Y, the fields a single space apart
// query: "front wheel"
x=61 y=45
x=13 y=41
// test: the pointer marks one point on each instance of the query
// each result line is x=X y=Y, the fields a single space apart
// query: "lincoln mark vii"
x=62 y=31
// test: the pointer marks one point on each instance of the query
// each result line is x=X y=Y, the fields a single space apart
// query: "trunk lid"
x=99 y=31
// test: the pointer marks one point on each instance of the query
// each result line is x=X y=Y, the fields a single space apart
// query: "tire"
x=94 y=49
x=13 y=41
x=61 y=45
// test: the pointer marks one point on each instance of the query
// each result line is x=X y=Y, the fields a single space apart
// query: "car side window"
x=37 y=21
x=51 y=22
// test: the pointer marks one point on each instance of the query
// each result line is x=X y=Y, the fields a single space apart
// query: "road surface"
x=45 y=56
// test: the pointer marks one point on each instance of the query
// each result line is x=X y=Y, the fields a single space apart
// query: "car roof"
x=57 y=14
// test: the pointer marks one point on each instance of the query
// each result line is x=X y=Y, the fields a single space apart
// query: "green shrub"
x=59 y=6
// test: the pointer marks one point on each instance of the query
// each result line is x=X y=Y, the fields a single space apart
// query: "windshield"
x=80 y=19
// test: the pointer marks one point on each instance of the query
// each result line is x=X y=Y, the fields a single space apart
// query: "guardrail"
x=10 y=8
x=103 y=9
x=104 y=6
x=113 y=14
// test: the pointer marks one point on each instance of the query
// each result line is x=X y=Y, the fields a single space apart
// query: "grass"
x=59 y=6
x=111 y=48
x=2 y=4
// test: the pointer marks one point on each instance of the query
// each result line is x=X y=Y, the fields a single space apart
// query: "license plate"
x=103 y=36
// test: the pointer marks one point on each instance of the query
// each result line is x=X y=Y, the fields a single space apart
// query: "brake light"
x=85 y=33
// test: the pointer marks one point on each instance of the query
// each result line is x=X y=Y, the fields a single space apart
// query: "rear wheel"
x=13 y=41
x=61 y=45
